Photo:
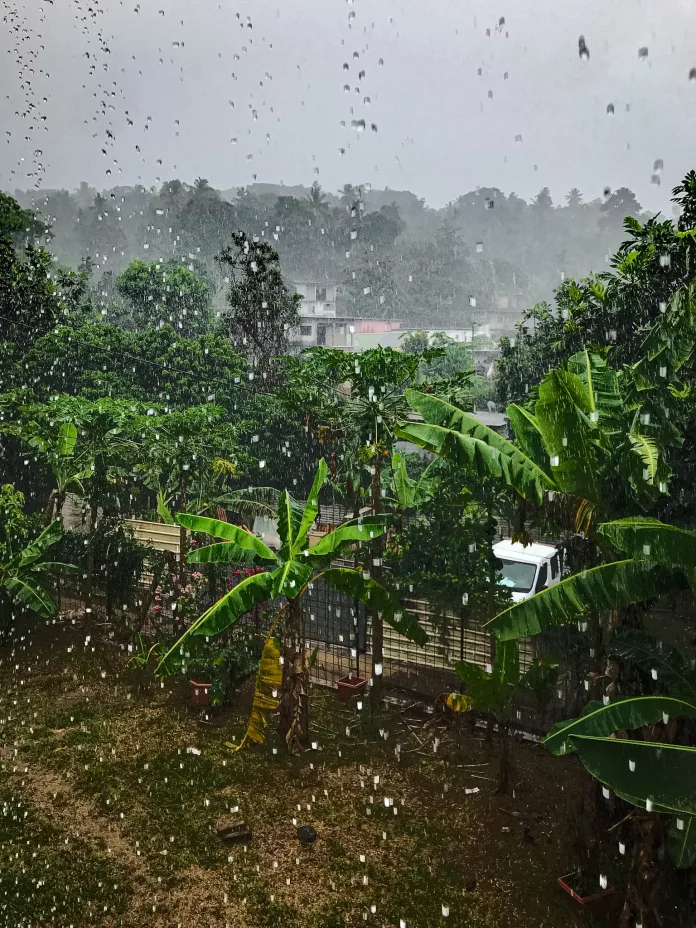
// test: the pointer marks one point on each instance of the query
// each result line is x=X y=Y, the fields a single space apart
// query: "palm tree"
x=317 y=197
x=289 y=573
x=574 y=198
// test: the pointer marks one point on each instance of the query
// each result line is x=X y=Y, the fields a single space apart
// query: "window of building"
x=305 y=330
x=321 y=294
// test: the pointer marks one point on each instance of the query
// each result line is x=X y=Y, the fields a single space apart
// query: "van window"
x=542 y=577
x=555 y=567
x=516 y=576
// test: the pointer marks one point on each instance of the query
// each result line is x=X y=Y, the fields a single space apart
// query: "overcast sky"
x=277 y=88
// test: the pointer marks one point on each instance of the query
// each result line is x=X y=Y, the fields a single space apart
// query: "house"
x=321 y=325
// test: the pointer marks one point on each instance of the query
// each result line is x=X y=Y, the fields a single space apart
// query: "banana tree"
x=662 y=560
x=493 y=691
x=289 y=574
x=655 y=776
x=579 y=433
x=26 y=579
x=56 y=443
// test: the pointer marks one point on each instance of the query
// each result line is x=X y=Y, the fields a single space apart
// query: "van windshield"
x=516 y=575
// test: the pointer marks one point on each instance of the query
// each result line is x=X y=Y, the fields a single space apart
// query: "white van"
x=527 y=570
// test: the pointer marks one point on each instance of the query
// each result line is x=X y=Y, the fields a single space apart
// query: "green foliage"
x=443 y=553
x=25 y=577
x=608 y=586
x=262 y=311
x=663 y=666
x=165 y=293
x=649 y=539
x=494 y=691
x=294 y=567
x=462 y=439
x=599 y=720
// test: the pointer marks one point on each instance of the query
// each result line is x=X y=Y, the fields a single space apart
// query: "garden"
x=261 y=661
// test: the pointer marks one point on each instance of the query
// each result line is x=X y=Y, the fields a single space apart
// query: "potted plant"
x=216 y=670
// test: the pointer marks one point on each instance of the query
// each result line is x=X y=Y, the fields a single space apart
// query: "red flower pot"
x=200 y=693
x=598 y=905
x=350 y=686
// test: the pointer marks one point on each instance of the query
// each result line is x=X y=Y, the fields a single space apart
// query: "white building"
x=319 y=323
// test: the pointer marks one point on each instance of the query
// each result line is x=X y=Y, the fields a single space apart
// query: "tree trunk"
x=182 y=533
x=505 y=771
x=641 y=899
x=48 y=514
x=294 y=696
x=89 y=567
x=6 y=614
x=376 y=573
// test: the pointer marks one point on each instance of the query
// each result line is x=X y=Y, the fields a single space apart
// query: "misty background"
x=468 y=159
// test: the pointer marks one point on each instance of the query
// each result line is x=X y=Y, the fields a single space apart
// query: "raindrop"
x=583 y=50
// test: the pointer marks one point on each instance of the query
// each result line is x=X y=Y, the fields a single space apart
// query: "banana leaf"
x=376 y=597
x=269 y=679
x=601 y=383
x=648 y=454
x=661 y=776
x=31 y=593
x=562 y=412
x=681 y=840
x=527 y=434
x=670 y=343
x=608 y=586
x=519 y=471
x=67 y=438
x=290 y=578
x=312 y=506
x=223 y=552
x=38 y=547
x=650 y=539
x=626 y=714
x=225 y=612
x=364 y=529
x=663 y=664
x=228 y=532
x=290 y=515
x=411 y=493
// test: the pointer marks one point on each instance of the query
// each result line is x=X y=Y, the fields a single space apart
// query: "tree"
x=317 y=197
x=415 y=342
x=18 y=224
x=189 y=455
x=542 y=201
x=262 y=311
x=617 y=206
x=288 y=574
x=573 y=198
x=166 y=293
x=34 y=295
x=684 y=195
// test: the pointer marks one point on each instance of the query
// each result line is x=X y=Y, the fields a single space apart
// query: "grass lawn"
x=111 y=798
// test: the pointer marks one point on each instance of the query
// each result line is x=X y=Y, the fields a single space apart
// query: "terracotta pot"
x=598 y=905
x=349 y=686
x=200 y=693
